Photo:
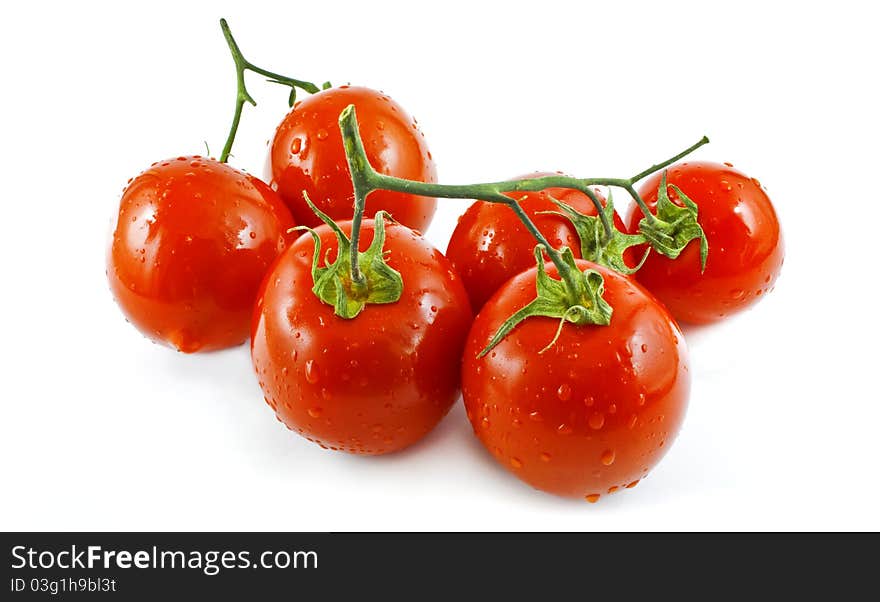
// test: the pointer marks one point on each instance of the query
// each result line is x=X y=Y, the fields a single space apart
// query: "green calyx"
x=674 y=227
x=594 y=245
x=334 y=284
x=580 y=304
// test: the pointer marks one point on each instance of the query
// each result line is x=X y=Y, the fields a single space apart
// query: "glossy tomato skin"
x=373 y=384
x=307 y=154
x=193 y=239
x=746 y=248
x=490 y=245
x=595 y=412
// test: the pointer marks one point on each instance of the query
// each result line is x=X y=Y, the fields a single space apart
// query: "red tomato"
x=490 y=244
x=746 y=249
x=596 y=411
x=307 y=154
x=375 y=383
x=193 y=240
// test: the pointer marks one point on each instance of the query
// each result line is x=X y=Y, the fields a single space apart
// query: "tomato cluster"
x=575 y=376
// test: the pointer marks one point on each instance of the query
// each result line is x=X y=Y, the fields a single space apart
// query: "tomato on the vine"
x=746 y=247
x=375 y=383
x=307 y=154
x=193 y=239
x=596 y=410
x=490 y=244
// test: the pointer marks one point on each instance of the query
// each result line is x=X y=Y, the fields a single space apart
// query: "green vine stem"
x=242 y=94
x=366 y=179
x=628 y=184
x=576 y=298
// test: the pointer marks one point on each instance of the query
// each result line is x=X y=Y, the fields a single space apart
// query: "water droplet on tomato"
x=589 y=401
x=596 y=421
x=322 y=134
x=536 y=416
x=296 y=146
x=380 y=125
x=563 y=392
x=312 y=374
x=516 y=462
x=564 y=429
x=592 y=498
x=545 y=457
x=607 y=457
x=633 y=484
x=633 y=420
x=315 y=412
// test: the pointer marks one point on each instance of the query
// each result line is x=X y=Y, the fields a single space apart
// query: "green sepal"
x=333 y=283
x=582 y=306
x=592 y=235
x=674 y=227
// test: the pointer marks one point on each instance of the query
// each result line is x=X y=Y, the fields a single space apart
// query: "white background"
x=102 y=430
